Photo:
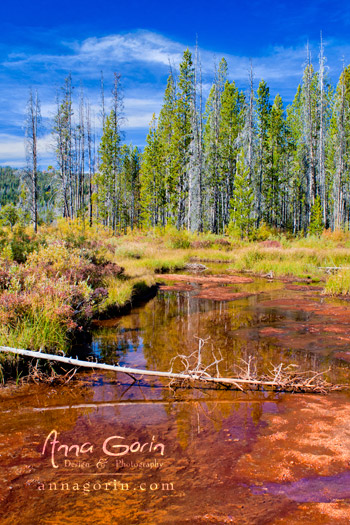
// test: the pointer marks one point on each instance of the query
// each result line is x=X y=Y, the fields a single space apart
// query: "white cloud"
x=141 y=54
x=93 y=54
x=138 y=121
x=139 y=111
x=11 y=149
x=45 y=145
x=141 y=46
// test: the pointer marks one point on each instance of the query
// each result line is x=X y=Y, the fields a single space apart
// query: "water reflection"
x=172 y=322
x=220 y=448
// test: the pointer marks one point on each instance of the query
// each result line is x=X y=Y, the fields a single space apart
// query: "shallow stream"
x=106 y=450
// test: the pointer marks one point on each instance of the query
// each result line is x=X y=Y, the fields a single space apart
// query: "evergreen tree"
x=338 y=150
x=263 y=110
x=322 y=133
x=249 y=129
x=195 y=192
x=168 y=140
x=275 y=170
x=183 y=134
x=194 y=173
x=242 y=200
x=153 y=193
x=107 y=197
x=132 y=169
x=231 y=126
x=296 y=162
x=316 y=221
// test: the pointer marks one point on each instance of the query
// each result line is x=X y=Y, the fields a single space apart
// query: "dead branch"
x=279 y=379
x=283 y=378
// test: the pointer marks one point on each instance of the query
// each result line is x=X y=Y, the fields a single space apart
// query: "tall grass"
x=338 y=284
x=36 y=331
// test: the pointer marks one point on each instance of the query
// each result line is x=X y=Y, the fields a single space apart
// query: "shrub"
x=263 y=233
x=179 y=239
x=316 y=220
x=205 y=243
x=223 y=244
x=21 y=244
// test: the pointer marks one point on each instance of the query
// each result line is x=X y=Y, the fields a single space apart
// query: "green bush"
x=22 y=244
x=179 y=239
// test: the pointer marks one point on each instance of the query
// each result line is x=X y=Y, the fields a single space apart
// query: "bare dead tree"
x=64 y=147
x=117 y=112
x=250 y=122
x=321 y=142
x=310 y=133
x=31 y=143
x=81 y=159
x=91 y=152
x=103 y=111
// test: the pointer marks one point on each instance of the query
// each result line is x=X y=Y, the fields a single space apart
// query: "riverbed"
x=105 y=449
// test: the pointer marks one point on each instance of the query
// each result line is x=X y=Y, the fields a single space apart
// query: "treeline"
x=244 y=159
x=230 y=163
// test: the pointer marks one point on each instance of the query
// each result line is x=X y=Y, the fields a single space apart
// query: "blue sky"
x=42 y=41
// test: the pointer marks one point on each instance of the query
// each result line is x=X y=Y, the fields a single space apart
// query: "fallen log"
x=124 y=369
x=192 y=376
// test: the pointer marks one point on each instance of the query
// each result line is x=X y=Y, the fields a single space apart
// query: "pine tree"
x=242 y=200
x=322 y=132
x=183 y=134
x=170 y=154
x=277 y=147
x=231 y=126
x=263 y=110
x=195 y=190
x=132 y=168
x=91 y=153
x=107 y=198
x=338 y=151
x=153 y=193
x=212 y=150
x=316 y=221
x=296 y=162
x=249 y=131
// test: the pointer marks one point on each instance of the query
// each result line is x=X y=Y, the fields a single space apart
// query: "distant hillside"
x=12 y=182
x=9 y=185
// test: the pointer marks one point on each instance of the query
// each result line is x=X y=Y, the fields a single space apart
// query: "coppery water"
x=143 y=453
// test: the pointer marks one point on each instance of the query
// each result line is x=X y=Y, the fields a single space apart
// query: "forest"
x=232 y=163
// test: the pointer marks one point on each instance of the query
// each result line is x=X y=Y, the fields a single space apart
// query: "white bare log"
x=189 y=375
x=131 y=371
